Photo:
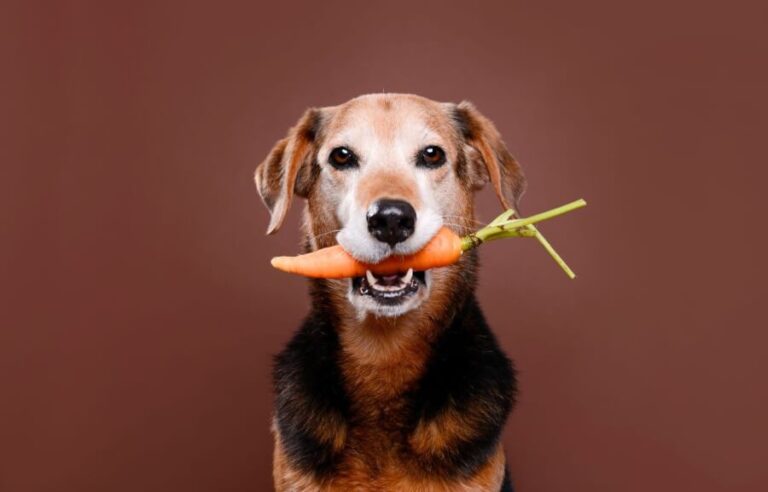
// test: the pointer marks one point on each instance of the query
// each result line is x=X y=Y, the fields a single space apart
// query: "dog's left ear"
x=487 y=157
x=288 y=168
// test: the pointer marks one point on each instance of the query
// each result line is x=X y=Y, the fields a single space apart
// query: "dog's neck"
x=383 y=357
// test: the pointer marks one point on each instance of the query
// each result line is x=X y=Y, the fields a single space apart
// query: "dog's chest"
x=381 y=417
x=371 y=465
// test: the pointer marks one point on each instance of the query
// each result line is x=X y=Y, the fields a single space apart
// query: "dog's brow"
x=426 y=132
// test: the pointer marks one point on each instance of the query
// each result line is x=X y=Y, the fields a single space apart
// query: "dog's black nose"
x=391 y=221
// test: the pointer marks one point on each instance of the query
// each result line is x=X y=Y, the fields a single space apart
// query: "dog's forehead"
x=389 y=118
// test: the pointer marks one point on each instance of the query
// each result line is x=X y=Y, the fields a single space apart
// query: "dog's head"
x=382 y=173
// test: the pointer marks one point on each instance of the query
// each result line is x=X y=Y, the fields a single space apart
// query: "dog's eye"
x=432 y=156
x=342 y=158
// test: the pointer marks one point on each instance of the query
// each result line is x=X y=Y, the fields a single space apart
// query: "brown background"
x=139 y=311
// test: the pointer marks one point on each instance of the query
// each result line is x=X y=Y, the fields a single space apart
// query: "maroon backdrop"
x=139 y=313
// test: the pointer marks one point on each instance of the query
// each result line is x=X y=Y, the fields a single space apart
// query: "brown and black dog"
x=392 y=382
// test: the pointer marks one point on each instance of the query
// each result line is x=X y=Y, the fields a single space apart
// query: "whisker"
x=463 y=228
x=324 y=234
x=461 y=217
x=468 y=227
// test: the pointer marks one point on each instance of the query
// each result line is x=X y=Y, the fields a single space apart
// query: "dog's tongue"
x=389 y=279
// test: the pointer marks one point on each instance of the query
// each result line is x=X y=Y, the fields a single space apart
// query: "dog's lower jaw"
x=365 y=304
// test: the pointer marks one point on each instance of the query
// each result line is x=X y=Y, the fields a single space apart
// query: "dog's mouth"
x=389 y=289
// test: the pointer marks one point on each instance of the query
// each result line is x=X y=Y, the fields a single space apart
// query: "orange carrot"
x=444 y=249
x=334 y=262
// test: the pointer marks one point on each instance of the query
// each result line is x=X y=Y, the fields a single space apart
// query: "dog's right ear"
x=289 y=168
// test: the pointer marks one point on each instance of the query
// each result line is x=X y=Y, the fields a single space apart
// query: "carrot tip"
x=278 y=262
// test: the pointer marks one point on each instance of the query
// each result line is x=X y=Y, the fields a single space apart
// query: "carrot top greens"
x=502 y=226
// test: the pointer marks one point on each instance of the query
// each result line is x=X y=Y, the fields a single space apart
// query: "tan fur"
x=386 y=184
x=276 y=177
x=386 y=112
x=500 y=166
x=440 y=434
x=382 y=358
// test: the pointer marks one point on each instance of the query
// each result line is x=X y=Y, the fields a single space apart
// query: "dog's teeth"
x=370 y=277
x=407 y=278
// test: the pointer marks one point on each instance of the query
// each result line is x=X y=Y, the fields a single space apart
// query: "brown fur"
x=485 y=144
x=386 y=184
x=277 y=178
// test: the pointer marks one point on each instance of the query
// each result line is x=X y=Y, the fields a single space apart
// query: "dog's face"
x=382 y=173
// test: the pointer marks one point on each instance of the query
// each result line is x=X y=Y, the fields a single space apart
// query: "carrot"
x=334 y=262
x=444 y=249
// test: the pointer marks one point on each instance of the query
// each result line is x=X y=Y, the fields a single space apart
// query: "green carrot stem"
x=543 y=241
x=549 y=214
x=501 y=227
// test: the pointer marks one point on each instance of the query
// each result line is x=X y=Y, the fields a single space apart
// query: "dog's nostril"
x=375 y=222
x=391 y=221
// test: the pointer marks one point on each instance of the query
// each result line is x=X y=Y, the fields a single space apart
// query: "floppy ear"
x=487 y=157
x=289 y=168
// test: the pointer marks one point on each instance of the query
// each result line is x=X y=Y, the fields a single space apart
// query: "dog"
x=392 y=382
